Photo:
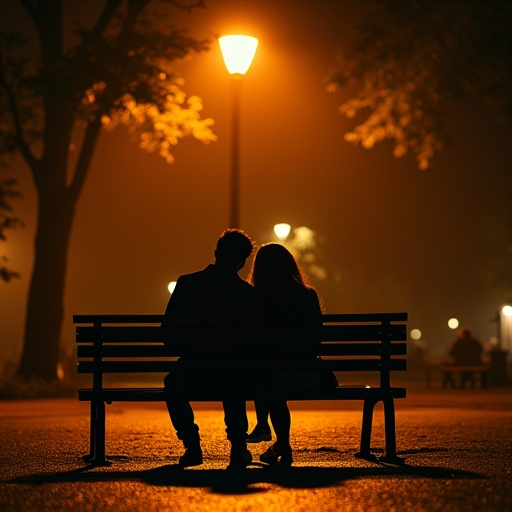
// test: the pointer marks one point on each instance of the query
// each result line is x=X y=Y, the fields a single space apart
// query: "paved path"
x=458 y=446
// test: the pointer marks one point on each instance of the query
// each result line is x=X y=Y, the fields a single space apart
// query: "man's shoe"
x=277 y=454
x=191 y=457
x=239 y=458
x=259 y=434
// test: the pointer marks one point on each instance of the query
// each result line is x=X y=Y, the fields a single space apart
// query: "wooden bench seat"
x=137 y=344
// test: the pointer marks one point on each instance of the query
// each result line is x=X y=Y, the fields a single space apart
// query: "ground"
x=457 y=445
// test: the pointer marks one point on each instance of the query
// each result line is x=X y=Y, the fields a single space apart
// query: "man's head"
x=233 y=248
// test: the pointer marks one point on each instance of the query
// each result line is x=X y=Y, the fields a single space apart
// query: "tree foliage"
x=118 y=69
x=61 y=81
x=410 y=59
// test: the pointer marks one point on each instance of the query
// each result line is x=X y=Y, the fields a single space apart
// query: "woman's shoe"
x=259 y=434
x=277 y=454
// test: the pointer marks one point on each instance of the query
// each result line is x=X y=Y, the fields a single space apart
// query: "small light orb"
x=453 y=323
x=507 y=310
x=171 y=286
x=415 y=334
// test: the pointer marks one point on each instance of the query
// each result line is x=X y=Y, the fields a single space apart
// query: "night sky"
x=391 y=237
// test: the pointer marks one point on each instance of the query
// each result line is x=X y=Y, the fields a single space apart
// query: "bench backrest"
x=373 y=342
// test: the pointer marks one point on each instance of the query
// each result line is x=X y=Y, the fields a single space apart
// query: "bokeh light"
x=507 y=310
x=171 y=286
x=415 y=334
x=453 y=323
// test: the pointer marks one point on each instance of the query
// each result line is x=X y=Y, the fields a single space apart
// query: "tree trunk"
x=46 y=294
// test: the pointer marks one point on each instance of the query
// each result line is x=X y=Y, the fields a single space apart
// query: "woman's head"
x=275 y=266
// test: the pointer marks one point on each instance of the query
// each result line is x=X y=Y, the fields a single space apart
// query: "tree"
x=7 y=221
x=59 y=96
x=411 y=58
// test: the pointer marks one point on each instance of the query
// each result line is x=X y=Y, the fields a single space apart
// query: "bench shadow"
x=222 y=481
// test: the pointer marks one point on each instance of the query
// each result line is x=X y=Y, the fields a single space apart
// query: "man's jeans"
x=185 y=381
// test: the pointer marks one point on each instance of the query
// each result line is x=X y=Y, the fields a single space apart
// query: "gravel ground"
x=457 y=444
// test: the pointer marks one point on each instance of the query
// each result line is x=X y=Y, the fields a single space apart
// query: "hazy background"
x=391 y=237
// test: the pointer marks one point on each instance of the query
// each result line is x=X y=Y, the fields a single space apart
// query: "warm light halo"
x=282 y=230
x=507 y=310
x=171 y=286
x=238 y=52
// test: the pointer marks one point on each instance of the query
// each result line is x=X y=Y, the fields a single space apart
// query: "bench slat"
x=157 y=394
x=158 y=351
x=351 y=317
x=166 y=366
x=127 y=334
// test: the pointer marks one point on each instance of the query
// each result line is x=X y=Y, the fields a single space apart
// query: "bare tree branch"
x=23 y=146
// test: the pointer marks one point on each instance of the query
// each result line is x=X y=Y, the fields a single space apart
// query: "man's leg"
x=235 y=418
x=182 y=419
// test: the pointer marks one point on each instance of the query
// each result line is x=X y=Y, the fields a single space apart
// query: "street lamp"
x=282 y=230
x=237 y=52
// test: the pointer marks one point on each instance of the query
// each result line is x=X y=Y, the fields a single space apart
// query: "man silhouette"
x=216 y=290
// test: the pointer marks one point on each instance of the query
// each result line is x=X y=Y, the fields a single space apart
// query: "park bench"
x=466 y=375
x=373 y=345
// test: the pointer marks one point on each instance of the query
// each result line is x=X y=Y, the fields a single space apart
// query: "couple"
x=276 y=295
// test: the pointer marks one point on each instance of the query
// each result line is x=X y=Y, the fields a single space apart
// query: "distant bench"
x=125 y=344
x=462 y=376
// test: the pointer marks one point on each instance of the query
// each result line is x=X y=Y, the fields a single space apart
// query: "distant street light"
x=453 y=323
x=238 y=52
x=507 y=325
x=282 y=230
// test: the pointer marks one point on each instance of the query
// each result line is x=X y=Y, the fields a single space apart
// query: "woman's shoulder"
x=311 y=294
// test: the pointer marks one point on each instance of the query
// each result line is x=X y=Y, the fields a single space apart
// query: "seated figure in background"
x=466 y=351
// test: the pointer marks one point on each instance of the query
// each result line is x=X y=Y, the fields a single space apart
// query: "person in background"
x=466 y=351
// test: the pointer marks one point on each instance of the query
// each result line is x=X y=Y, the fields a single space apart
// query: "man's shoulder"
x=193 y=276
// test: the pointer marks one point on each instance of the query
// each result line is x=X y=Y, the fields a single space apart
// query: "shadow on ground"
x=224 y=481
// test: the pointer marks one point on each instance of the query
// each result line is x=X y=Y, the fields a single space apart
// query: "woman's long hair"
x=274 y=267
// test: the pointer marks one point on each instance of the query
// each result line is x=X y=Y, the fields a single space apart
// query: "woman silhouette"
x=282 y=298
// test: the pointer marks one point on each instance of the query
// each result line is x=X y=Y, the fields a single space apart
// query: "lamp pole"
x=234 y=211
x=238 y=52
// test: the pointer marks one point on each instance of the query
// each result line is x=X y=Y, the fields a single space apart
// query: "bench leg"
x=96 y=455
x=366 y=431
x=467 y=379
x=448 y=381
x=390 y=433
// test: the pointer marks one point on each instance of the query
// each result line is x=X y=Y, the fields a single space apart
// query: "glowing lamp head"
x=238 y=52
x=282 y=230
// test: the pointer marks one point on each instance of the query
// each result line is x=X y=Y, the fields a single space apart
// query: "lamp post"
x=498 y=356
x=238 y=52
